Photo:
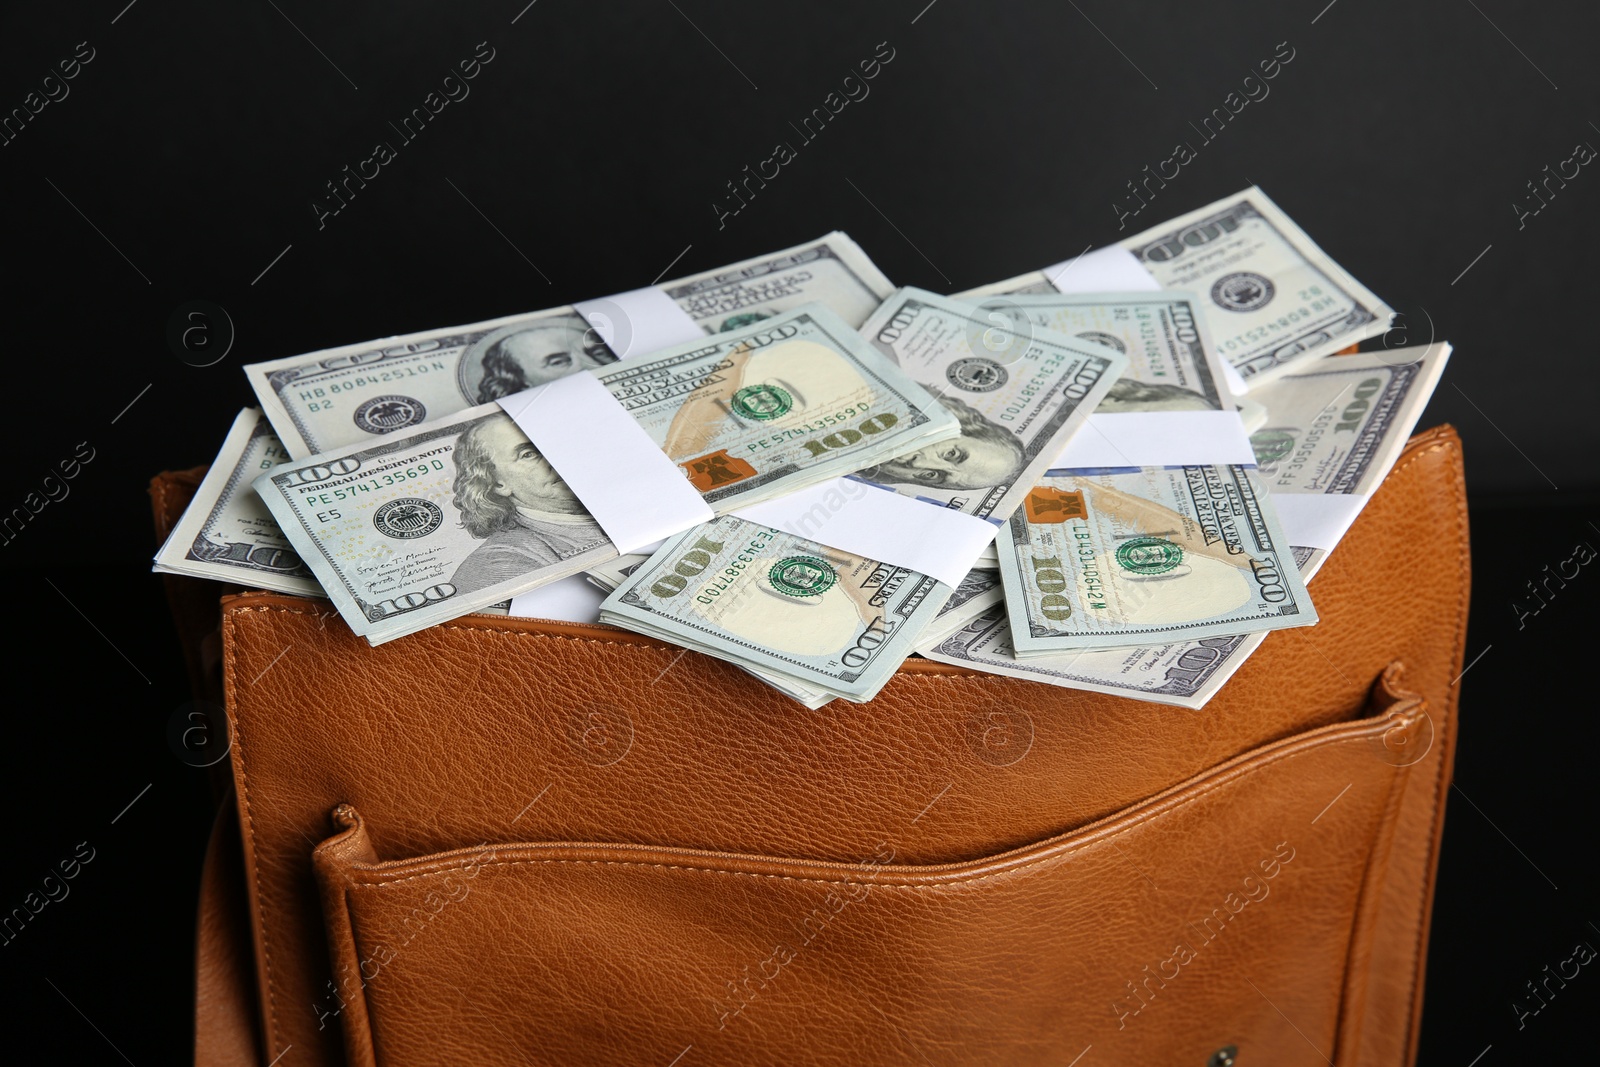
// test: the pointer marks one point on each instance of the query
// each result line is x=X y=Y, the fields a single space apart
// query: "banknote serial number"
x=372 y=485
x=1313 y=306
x=815 y=425
x=320 y=398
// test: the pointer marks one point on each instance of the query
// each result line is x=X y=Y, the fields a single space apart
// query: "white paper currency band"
x=633 y=490
x=855 y=517
x=639 y=321
x=1112 y=269
x=1158 y=439
x=1317 y=520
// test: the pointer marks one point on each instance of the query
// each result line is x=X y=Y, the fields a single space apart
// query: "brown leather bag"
x=512 y=841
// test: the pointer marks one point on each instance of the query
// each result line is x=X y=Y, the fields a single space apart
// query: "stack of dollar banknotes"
x=1116 y=474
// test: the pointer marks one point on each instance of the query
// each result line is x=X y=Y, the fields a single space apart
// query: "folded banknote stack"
x=1115 y=474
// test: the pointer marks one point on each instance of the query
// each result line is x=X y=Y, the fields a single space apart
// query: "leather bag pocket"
x=1223 y=913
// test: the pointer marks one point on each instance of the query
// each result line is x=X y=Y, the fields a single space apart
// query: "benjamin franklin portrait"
x=1129 y=395
x=512 y=498
x=523 y=355
x=984 y=455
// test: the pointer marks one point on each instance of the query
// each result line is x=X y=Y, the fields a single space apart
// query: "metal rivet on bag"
x=1223 y=1057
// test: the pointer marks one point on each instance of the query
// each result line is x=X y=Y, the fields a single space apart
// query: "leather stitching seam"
x=278 y=610
x=955 y=881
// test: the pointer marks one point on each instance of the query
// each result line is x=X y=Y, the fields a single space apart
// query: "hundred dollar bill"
x=782 y=600
x=980 y=589
x=1111 y=558
x=1186 y=674
x=610 y=574
x=1349 y=464
x=227 y=533
x=1170 y=363
x=1274 y=300
x=1333 y=431
x=1107 y=560
x=359 y=393
x=1172 y=366
x=463 y=512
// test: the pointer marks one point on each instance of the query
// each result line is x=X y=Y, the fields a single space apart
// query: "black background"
x=184 y=162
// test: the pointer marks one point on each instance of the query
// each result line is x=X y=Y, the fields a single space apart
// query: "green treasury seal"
x=1271 y=444
x=1148 y=555
x=761 y=402
x=802 y=576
